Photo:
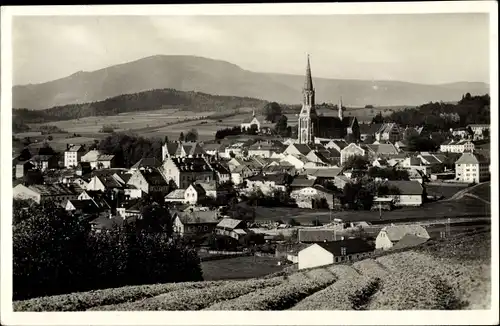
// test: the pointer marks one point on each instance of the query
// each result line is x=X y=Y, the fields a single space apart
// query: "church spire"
x=308 y=84
x=341 y=109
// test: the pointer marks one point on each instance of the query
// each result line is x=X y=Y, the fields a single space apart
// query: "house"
x=231 y=227
x=401 y=145
x=240 y=173
x=105 y=223
x=327 y=253
x=22 y=169
x=380 y=203
x=149 y=181
x=104 y=202
x=195 y=223
x=317 y=158
x=91 y=156
x=104 y=161
x=390 y=235
x=380 y=163
x=388 y=132
x=146 y=163
x=411 y=193
x=381 y=150
x=185 y=170
x=301 y=182
x=311 y=197
x=73 y=155
x=222 y=173
x=351 y=150
x=268 y=183
x=250 y=123
x=235 y=150
x=297 y=161
x=194 y=193
x=337 y=144
x=265 y=148
x=460 y=132
x=58 y=193
x=472 y=167
x=214 y=149
x=176 y=196
x=297 y=149
x=478 y=130
x=461 y=146
x=130 y=209
x=44 y=162
x=281 y=167
x=189 y=149
x=368 y=131
x=86 y=206
x=83 y=168
x=103 y=183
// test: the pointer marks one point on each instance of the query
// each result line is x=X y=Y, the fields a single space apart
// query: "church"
x=312 y=125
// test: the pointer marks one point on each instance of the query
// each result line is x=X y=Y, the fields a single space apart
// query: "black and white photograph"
x=319 y=159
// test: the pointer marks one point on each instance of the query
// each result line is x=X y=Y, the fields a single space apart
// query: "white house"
x=91 y=156
x=351 y=150
x=73 y=155
x=460 y=146
x=390 y=235
x=194 y=193
x=298 y=161
x=247 y=123
x=411 y=193
x=478 y=130
x=327 y=253
x=176 y=196
x=389 y=132
x=43 y=193
x=472 y=167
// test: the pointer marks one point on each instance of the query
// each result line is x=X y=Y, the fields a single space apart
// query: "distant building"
x=327 y=253
x=43 y=193
x=73 y=155
x=185 y=170
x=195 y=223
x=248 y=123
x=351 y=150
x=460 y=146
x=232 y=228
x=44 y=162
x=149 y=181
x=388 y=132
x=478 y=130
x=472 y=167
x=391 y=235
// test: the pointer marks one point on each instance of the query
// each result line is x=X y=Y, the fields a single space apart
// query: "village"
x=323 y=197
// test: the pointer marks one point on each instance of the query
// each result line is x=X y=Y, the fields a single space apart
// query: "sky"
x=421 y=48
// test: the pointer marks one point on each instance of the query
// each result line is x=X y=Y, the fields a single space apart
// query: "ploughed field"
x=448 y=274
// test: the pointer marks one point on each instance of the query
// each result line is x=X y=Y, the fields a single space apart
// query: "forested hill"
x=143 y=101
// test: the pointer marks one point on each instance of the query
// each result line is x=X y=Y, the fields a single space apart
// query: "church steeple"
x=341 y=109
x=308 y=84
x=307 y=114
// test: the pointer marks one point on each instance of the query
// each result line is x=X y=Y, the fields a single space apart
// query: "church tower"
x=307 y=115
x=341 y=110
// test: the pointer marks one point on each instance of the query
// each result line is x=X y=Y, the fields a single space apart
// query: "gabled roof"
x=352 y=246
x=190 y=149
x=176 y=194
x=408 y=241
x=229 y=223
x=198 y=217
x=56 y=189
x=105 y=157
x=220 y=168
x=302 y=182
x=382 y=149
x=191 y=164
x=369 y=129
x=207 y=186
x=407 y=187
x=318 y=235
x=302 y=148
x=171 y=147
x=153 y=177
x=86 y=205
x=431 y=159
x=147 y=162
x=41 y=157
x=472 y=158
x=397 y=232
x=348 y=121
x=324 y=172
x=75 y=148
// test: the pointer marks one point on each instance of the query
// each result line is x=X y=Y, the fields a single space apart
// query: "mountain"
x=191 y=73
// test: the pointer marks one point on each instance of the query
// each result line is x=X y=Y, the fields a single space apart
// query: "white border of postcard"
x=8 y=317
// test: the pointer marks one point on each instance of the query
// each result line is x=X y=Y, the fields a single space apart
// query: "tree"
x=418 y=143
x=272 y=111
x=356 y=162
x=181 y=136
x=33 y=177
x=191 y=136
x=378 y=118
x=486 y=133
x=46 y=150
x=281 y=126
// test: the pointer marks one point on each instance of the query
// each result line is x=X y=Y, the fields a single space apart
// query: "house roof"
x=75 y=148
x=369 y=129
x=386 y=127
x=431 y=159
x=302 y=148
x=277 y=178
x=86 y=205
x=197 y=217
x=171 y=147
x=190 y=149
x=207 y=186
x=341 y=143
x=153 y=177
x=192 y=164
x=109 y=182
x=397 y=232
x=229 y=223
x=147 y=162
x=279 y=169
x=408 y=241
x=384 y=149
x=302 y=182
x=105 y=157
x=56 y=189
x=352 y=246
x=306 y=235
x=407 y=187
x=41 y=157
x=220 y=168
x=472 y=158
x=176 y=194
x=213 y=147
x=324 y=172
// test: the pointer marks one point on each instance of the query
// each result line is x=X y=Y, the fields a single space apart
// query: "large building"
x=312 y=124
x=472 y=167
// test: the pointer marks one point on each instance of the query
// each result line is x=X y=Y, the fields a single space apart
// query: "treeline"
x=443 y=116
x=129 y=148
x=143 y=101
x=55 y=253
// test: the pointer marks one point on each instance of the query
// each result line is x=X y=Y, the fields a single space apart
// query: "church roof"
x=308 y=84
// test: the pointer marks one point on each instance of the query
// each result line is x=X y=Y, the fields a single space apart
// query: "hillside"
x=144 y=101
x=191 y=73
x=442 y=274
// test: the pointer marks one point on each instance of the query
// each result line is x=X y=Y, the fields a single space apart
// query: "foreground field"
x=446 y=274
x=239 y=268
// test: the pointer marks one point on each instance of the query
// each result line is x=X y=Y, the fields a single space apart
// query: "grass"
x=483 y=191
x=239 y=268
x=445 y=190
